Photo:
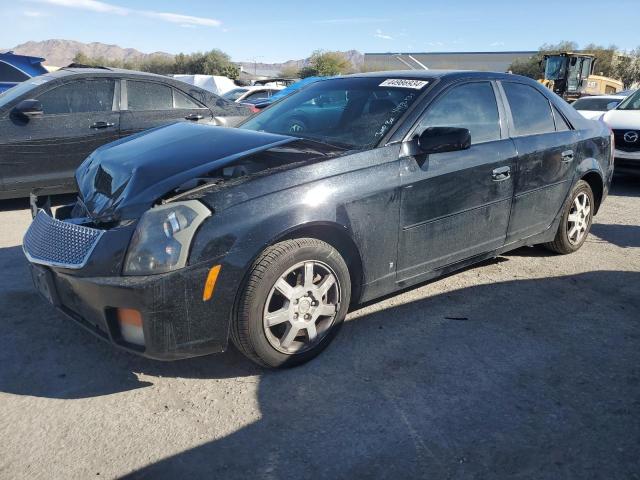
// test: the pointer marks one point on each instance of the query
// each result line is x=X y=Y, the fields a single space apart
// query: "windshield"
x=631 y=103
x=234 y=94
x=595 y=104
x=347 y=112
x=554 y=68
x=21 y=89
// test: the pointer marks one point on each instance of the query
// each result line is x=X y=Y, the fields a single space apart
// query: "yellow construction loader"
x=570 y=75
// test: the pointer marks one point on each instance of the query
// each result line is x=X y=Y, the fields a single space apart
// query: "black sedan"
x=185 y=236
x=51 y=123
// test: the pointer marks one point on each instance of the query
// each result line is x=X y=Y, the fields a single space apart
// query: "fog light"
x=130 y=321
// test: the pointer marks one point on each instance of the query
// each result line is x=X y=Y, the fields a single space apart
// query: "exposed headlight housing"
x=162 y=238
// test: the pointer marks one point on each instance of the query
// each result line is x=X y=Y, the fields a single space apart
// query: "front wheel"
x=576 y=220
x=294 y=301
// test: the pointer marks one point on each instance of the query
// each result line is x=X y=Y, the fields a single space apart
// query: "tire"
x=282 y=326
x=567 y=239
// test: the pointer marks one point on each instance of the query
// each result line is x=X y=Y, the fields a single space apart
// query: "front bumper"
x=177 y=322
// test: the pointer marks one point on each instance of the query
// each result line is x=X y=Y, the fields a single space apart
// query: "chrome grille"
x=60 y=244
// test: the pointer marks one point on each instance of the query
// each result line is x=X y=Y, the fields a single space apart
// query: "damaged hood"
x=124 y=178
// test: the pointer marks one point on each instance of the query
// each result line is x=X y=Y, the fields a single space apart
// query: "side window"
x=561 y=123
x=143 y=96
x=182 y=100
x=9 y=73
x=472 y=106
x=79 y=96
x=530 y=109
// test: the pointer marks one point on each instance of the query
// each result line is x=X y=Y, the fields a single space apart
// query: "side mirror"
x=28 y=108
x=612 y=105
x=444 y=139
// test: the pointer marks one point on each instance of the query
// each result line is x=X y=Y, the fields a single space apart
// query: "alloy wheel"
x=301 y=307
x=579 y=218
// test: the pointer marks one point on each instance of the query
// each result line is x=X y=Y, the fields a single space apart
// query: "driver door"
x=44 y=152
x=455 y=205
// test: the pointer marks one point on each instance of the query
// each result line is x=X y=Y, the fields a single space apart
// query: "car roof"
x=432 y=74
x=67 y=71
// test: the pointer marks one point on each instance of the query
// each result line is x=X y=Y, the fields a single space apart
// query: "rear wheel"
x=576 y=220
x=293 y=304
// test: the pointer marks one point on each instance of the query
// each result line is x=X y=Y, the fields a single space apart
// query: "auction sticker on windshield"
x=404 y=83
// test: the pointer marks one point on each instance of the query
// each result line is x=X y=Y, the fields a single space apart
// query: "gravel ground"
x=527 y=366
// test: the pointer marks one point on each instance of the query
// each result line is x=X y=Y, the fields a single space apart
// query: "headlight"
x=162 y=238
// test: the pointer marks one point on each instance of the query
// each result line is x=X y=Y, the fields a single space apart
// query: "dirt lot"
x=527 y=366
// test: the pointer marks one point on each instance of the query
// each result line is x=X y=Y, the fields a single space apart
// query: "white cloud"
x=349 y=21
x=436 y=44
x=381 y=35
x=34 y=14
x=182 y=19
x=497 y=44
x=91 y=5
x=103 y=7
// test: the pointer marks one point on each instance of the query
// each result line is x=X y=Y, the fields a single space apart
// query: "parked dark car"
x=185 y=236
x=51 y=123
x=18 y=68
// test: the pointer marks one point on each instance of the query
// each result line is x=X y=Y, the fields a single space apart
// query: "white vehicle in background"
x=624 y=120
x=252 y=94
x=593 y=107
x=213 y=83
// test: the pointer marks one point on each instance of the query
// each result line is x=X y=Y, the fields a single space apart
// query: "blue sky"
x=270 y=31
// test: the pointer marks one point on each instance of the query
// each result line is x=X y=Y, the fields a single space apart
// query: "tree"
x=627 y=69
x=328 y=64
x=289 y=72
x=308 y=71
x=214 y=62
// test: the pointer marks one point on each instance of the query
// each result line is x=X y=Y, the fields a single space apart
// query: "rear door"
x=455 y=205
x=151 y=104
x=546 y=147
x=44 y=152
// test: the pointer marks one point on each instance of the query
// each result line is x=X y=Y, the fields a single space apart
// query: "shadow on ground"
x=542 y=380
x=528 y=387
x=625 y=186
x=624 y=236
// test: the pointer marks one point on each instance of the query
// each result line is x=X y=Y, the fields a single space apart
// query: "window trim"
x=503 y=131
x=83 y=79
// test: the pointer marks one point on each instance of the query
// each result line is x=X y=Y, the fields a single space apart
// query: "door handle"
x=501 y=173
x=567 y=156
x=194 y=117
x=102 y=125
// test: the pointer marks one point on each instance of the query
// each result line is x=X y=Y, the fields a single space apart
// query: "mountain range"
x=59 y=53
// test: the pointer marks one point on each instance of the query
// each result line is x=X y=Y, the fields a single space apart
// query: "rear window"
x=530 y=109
x=143 y=96
x=594 y=104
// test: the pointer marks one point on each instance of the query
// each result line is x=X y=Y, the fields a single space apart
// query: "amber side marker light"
x=130 y=321
x=210 y=284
